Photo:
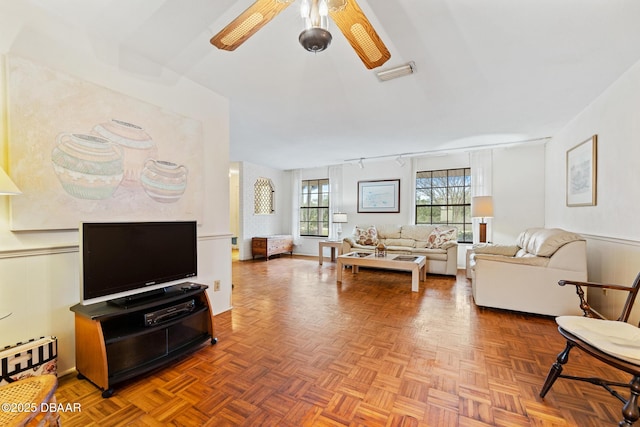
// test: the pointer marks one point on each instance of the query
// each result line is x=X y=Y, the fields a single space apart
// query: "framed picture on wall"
x=381 y=196
x=582 y=173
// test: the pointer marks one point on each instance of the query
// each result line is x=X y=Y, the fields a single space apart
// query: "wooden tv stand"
x=115 y=343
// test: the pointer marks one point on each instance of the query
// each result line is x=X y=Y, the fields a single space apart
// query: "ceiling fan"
x=315 y=36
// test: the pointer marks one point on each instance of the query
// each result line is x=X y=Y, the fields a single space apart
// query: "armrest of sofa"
x=535 y=261
x=572 y=256
x=495 y=249
x=347 y=244
x=449 y=244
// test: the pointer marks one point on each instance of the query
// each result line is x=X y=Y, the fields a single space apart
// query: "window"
x=263 y=197
x=314 y=208
x=444 y=197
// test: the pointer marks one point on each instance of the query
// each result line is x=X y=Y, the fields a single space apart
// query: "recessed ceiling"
x=488 y=72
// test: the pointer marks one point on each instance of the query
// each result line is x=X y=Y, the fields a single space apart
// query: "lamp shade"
x=7 y=187
x=482 y=207
x=339 y=218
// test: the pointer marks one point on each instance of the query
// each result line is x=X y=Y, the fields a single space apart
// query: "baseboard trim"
x=608 y=239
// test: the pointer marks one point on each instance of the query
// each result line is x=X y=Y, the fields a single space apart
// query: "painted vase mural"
x=138 y=146
x=88 y=167
x=164 y=181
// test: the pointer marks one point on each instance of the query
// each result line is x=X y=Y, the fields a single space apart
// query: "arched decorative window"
x=263 y=197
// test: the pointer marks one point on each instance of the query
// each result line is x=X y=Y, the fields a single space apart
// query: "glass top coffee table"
x=415 y=264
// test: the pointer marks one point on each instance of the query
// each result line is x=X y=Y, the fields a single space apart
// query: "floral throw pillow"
x=441 y=235
x=366 y=236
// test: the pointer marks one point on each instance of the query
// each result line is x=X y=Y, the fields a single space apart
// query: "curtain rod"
x=446 y=151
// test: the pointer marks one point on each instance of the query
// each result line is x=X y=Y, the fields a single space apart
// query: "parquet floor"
x=299 y=350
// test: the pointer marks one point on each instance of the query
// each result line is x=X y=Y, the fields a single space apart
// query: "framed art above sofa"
x=379 y=196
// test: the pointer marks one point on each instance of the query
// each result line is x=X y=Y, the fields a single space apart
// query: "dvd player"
x=164 y=314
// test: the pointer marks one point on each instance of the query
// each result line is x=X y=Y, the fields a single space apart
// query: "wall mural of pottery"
x=164 y=181
x=82 y=152
x=92 y=167
x=88 y=167
x=138 y=146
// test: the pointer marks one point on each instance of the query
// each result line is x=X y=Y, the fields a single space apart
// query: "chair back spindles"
x=631 y=298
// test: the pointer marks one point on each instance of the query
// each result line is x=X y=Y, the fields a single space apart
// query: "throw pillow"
x=441 y=235
x=366 y=236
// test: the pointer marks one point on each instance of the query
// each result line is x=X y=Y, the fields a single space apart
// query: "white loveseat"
x=524 y=277
x=437 y=243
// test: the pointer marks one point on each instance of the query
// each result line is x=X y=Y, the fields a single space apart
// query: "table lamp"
x=482 y=207
x=339 y=218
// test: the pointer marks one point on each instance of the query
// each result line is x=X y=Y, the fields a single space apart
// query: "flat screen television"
x=123 y=261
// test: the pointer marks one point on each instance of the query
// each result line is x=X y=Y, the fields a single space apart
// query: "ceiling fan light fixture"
x=394 y=73
x=316 y=36
x=315 y=39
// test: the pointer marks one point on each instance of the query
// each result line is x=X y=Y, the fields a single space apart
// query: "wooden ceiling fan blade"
x=358 y=30
x=248 y=23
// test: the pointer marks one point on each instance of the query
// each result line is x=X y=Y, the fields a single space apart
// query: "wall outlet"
x=216 y=285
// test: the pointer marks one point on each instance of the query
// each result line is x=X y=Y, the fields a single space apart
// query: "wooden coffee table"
x=417 y=265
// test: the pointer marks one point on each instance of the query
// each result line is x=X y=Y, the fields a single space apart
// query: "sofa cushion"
x=432 y=254
x=441 y=235
x=408 y=243
x=359 y=247
x=537 y=261
x=545 y=241
x=400 y=249
x=388 y=231
x=420 y=232
x=365 y=236
x=495 y=249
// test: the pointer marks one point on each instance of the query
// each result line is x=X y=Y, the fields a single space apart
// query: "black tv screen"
x=125 y=258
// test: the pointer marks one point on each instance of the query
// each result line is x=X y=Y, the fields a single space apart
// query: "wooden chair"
x=614 y=342
x=30 y=402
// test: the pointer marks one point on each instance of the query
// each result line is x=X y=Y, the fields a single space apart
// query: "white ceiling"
x=488 y=71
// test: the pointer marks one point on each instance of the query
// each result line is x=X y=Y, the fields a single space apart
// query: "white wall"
x=518 y=190
x=234 y=200
x=39 y=277
x=253 y=225
x=611 y=227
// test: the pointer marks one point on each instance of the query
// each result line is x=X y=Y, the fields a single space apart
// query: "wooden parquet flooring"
x=299 y=350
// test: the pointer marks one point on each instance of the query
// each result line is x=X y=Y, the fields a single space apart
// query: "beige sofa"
x=437 y=243
x=524 y=277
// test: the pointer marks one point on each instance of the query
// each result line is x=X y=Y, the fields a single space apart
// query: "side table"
x=329 y=244
x=468 y=262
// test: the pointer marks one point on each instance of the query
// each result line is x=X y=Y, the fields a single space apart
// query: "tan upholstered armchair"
x=524 y=277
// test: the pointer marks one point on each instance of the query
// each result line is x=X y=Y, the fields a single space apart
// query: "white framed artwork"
x=581 y=173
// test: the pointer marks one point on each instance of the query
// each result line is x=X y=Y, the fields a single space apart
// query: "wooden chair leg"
x=630 y=410
x=556 y=369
